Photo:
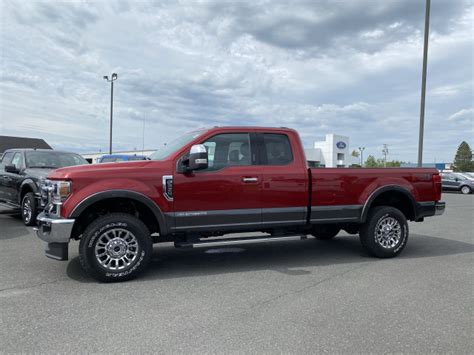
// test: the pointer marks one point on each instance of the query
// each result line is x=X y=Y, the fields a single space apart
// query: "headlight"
x=61 y=190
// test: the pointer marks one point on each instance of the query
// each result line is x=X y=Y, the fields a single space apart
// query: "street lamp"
x=361 y=149
x=423 y=84
x=111 y=81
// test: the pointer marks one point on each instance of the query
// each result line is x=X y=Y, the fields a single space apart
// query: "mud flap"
x=57 y=251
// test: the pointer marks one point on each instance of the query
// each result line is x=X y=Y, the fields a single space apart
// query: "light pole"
x=111 y=81
x=423 y=84
x=385 y=153
x=361 y=149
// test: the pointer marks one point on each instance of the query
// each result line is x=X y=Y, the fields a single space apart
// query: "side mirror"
x=11 y=169
x=456 y=179
x=197 y=159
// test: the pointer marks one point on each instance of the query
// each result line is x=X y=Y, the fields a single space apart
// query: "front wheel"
x=29 y=209
x=385 y=232
x=466 y=190
x=115 y=247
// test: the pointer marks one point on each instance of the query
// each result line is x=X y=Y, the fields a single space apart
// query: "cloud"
x=464 y=114
x=352 y=68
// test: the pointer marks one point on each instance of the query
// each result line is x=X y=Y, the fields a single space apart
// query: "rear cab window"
x=277 y=149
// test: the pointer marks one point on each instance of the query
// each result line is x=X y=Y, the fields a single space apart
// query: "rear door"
x=225 y=196
x=284 y=181
x=448 y=182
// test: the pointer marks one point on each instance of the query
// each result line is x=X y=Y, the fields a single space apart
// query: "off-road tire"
x=375 y=222
x=109 y=226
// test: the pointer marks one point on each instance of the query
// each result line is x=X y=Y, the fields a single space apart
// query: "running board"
x=237 y=241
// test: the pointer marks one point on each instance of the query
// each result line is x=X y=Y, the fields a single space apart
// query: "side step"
x=237 y=241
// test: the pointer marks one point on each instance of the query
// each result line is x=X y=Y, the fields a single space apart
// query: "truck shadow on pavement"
x=290 y=258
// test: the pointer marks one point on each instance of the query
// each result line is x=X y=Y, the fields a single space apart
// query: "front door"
x=225 y=196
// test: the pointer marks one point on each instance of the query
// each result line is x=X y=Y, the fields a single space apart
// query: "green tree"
x=355 y=153
x=393 y=164
x=463 y=158
x=371 y=162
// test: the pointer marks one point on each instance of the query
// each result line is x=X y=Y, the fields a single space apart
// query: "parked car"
x=114 y=158
x=217 y=181
x=21 y=173
x=457 y=182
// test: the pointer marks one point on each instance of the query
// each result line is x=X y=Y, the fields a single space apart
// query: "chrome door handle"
x=249 y=179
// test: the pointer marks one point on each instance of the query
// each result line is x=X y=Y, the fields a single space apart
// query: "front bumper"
x=56 y=232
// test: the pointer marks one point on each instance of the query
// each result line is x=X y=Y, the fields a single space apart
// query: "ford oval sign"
x=341 y=145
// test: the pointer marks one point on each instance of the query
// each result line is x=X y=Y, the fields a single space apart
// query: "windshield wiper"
x=43 y=167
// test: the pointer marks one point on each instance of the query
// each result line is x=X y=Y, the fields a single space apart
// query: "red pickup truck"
x=213 y=182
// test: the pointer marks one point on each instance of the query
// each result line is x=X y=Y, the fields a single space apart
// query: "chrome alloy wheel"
x=116 y=249
x=388 y=232
x=27 y=210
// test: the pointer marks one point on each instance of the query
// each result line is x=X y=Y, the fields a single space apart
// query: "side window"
x=278 y=149
x=17 y=160
x=228 y=149
x=7 y=158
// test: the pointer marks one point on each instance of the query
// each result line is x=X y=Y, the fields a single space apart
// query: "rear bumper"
x=428 y=209
x=56 y=232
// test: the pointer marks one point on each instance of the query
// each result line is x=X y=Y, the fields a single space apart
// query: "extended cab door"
x=225 y=196
x=284 y=179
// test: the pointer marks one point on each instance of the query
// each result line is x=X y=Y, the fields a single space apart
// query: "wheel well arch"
x=129 y=202
x=393 y=196
x=26 y=187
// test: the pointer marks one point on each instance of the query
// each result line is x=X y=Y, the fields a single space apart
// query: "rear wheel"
x=325 y=232
x=29 y=210
x=385 y=233
x=115 y=247
x=466 y=190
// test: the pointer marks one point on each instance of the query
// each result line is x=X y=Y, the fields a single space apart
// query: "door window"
x=229 y=149
x=278 y=149
x=7 y=158
x=17 y=160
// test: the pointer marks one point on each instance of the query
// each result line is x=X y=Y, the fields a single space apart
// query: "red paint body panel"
x=336 y=186
x=276 y=187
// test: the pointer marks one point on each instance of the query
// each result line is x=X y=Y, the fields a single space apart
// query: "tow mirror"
x=197 y=159
x=11 y=169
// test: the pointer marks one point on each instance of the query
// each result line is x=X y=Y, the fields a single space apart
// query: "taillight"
x=437 y=186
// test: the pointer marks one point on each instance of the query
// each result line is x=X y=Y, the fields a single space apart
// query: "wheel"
x=29 y=210
x=385 y=232
x=466 y=190
x=325 y=232
x=115 y=247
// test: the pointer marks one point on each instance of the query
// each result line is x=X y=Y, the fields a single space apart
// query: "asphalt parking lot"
x=294 y=297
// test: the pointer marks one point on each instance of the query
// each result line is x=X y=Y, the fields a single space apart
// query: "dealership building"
x=331 y=153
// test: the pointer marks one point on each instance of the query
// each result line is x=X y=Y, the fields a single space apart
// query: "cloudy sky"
x=346 y=67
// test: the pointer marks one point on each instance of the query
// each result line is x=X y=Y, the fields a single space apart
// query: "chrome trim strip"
x=245 y=241
x=163 y=180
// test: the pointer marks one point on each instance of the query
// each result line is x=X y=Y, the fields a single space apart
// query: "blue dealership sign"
x=341 y=145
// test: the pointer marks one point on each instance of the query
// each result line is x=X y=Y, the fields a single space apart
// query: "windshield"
x=52 y=160
x=174 y=145
x=463 y=176
x=112 y=159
